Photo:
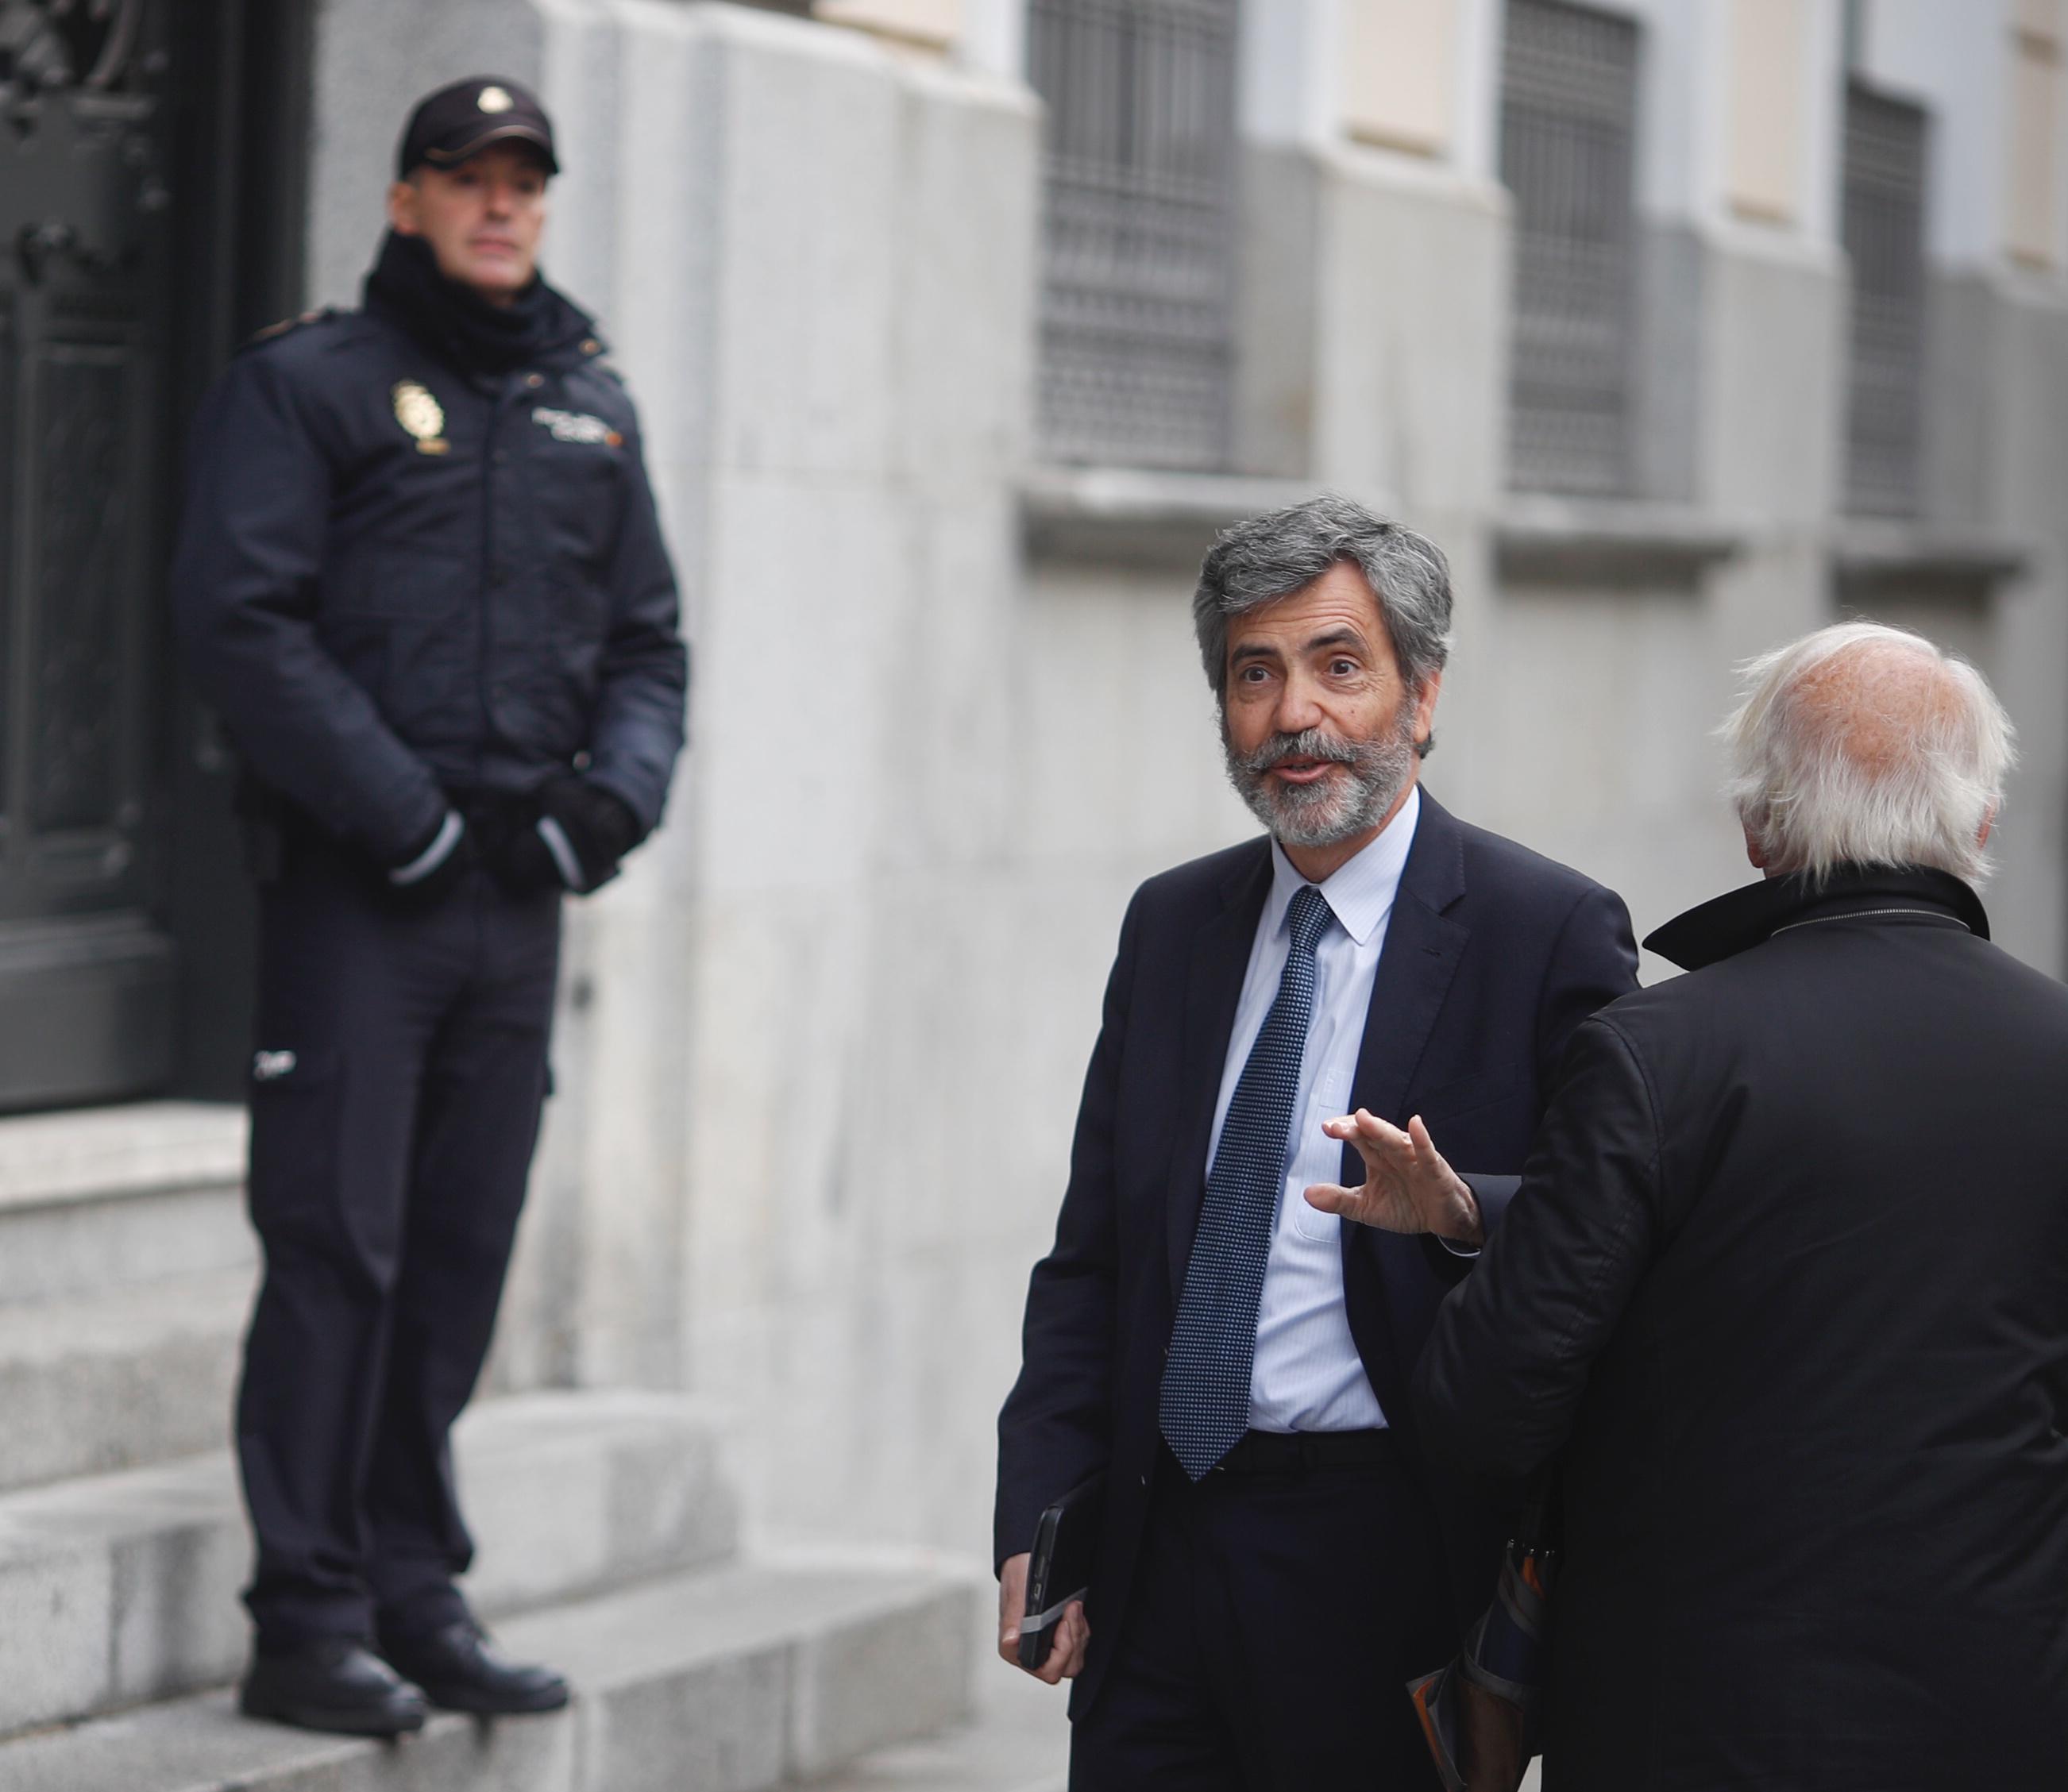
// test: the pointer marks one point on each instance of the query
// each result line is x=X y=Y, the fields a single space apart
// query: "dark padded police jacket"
x=1786 y=1281
x=399 y=579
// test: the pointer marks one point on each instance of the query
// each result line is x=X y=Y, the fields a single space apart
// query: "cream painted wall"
x=936 y=24
x=1769 y=43
x=2035 y=215
x=1398 y=76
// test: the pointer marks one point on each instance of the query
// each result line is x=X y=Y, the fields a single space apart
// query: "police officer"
x=421 y=578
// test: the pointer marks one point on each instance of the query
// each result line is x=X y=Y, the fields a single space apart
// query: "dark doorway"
x=127 y=250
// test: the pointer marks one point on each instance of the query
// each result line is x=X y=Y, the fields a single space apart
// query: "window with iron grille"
x=1136 y=285
x=1568 y=122
x=1883 y=223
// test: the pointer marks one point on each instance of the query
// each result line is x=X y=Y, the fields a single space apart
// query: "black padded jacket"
x=1786 y=1288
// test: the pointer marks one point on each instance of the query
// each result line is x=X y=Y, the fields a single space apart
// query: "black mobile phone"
x=1065 y=1542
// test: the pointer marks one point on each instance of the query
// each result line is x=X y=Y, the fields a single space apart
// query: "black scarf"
x=457 y=323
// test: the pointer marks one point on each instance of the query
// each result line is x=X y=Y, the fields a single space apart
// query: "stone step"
x=93 y=1384
x=123 y=1587
x=1016 y=1738
x=727 y=1680
x=119 y=1197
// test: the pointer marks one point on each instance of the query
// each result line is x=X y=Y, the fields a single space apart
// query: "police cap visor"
x=463 y=120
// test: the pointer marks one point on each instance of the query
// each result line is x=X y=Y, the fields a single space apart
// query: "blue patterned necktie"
x=1205 y=1405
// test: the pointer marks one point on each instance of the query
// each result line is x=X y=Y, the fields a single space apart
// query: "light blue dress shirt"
x=1307 y=1375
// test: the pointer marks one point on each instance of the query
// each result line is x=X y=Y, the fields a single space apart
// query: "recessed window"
x=1568 y=132
x=1883 y=208
x=1137 y=247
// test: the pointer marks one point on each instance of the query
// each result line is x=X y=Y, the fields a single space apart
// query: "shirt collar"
x=1361 y=891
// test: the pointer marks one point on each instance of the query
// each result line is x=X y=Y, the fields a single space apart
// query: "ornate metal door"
x=85 y=975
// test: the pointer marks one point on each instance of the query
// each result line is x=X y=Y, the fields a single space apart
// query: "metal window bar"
x=1137 y=276
x=1883 y=226
x=1569 y=123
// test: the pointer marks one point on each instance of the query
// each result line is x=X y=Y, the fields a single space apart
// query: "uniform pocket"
x=394 y=583
x=296 y=1099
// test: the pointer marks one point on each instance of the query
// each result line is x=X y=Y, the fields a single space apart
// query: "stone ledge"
x=1138 y=517
x=1870 y=555
x=1610 y=541
x=105 y=1153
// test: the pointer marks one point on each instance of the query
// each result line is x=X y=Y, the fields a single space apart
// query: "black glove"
x=580 y=834
x=427 y=876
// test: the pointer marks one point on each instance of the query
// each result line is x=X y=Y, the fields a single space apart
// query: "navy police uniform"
x=421 y=578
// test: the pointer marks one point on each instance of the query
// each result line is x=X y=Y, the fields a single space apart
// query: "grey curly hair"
x=1262 y=559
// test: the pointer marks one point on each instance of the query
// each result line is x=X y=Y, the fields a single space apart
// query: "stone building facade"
x=821 y=1056
x=958 y=327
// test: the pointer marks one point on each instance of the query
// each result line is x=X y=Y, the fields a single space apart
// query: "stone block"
x=93 y=1384
x=115 y=1197
x=53 y=1605
x=876 y=1678
x=688 y=1683
x=90 y=1245
x=175 y=1624
x=125 y=1587
x=715 y=1723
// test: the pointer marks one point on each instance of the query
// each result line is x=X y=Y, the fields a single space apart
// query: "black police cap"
x=462 y=119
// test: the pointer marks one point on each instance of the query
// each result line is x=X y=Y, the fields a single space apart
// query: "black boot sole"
x=476 y=1703
x=332 y=1720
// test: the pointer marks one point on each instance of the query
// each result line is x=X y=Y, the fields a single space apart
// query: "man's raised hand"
x=1407 y=1186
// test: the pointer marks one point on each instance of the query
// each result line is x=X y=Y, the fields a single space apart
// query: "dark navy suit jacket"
x=1492 y=956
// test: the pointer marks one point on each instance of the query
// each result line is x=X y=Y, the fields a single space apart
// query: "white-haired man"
x=1786 y=1286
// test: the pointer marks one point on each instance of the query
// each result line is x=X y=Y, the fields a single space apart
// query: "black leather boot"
x=461 y=1670
x=334 y=1684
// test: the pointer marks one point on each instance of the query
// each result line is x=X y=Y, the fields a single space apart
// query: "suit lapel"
x=1213 y=991
x=1422 y=947
x=1423 y=944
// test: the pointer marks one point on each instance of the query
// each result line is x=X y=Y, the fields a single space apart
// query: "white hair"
x=1865 y=745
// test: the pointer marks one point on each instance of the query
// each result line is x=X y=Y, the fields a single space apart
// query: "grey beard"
x=1326 y=814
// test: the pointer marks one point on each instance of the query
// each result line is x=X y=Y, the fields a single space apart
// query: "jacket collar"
x=1735 y=923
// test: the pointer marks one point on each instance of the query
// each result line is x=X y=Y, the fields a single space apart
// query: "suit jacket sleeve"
x=1057 y=1426
x=1508 y=1362
x=244 y=584
x=639 y=725
x=1594 y=962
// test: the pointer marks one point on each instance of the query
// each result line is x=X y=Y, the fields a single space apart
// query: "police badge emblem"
x=422 y=416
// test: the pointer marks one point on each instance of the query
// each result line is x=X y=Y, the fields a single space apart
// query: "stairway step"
x=1017 y=1739
x=726 y=1680
x=123 y=1587
x=117 y=1198
x=91 y=1385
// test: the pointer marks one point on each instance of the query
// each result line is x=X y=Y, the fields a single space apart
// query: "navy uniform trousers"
x=1267 y=1640
x=396 y=1094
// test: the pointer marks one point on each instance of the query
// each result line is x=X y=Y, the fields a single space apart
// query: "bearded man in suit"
x=1277 y=1556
